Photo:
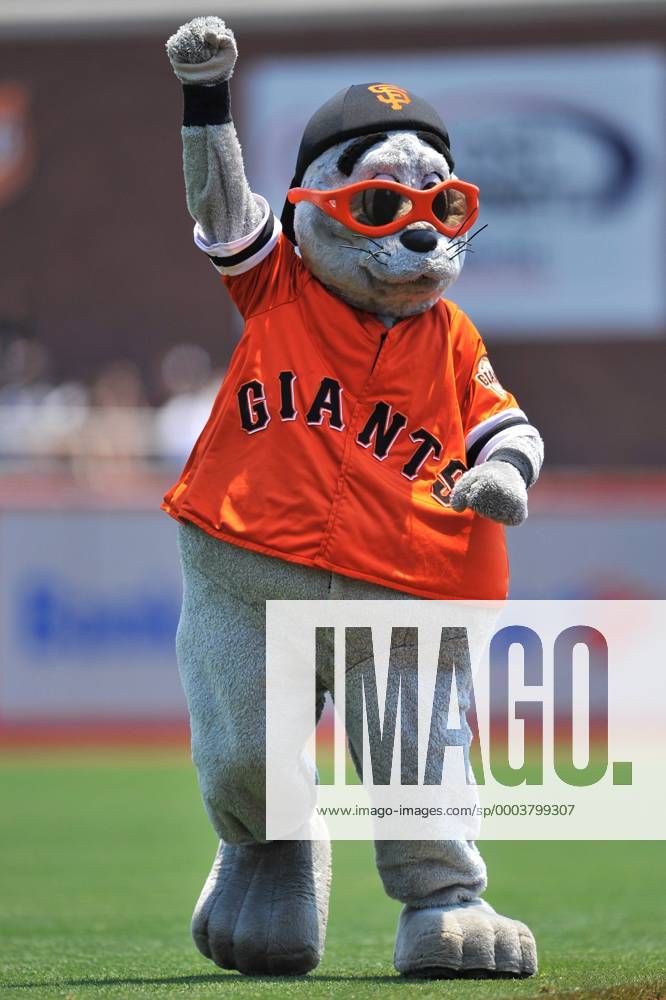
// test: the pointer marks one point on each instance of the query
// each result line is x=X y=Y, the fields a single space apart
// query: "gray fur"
x=496 y=490
x=264 y=906
x=220 y=645
x=427 y=873
x=217 y=192
x=387 y=279
x=527 y=451
x=218 y=195
x=464 y=940
x=422 y=873
x=203 y=40
x=519 y=461
x=220 y=648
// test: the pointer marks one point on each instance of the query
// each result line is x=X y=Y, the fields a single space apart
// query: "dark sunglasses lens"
x=450 y=207
x=378 y=206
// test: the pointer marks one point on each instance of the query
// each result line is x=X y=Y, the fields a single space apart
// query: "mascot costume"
x=360 y=447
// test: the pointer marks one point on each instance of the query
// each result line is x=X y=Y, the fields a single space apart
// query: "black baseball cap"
x=362 y=109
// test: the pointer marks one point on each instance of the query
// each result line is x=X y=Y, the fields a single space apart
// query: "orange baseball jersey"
x=334 y=442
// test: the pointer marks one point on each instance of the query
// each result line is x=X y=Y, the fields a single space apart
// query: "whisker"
x=458 y=252
x=463 y=246
x=468 y=239
x=363 y=237
x=460 y=242
x=476 y=232
x=466 y=219
x=375 y=254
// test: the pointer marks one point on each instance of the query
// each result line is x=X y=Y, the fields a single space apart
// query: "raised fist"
x=203 y=51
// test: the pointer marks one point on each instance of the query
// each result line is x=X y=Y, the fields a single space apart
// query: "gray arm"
x=203 y=55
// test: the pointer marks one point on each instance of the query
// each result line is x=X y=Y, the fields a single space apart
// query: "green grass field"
x=102 y=856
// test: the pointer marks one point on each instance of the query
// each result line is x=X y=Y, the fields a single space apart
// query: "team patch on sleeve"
x=486 y=377
x=243 y=254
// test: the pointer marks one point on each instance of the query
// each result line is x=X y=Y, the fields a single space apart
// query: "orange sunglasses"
x=379 y=208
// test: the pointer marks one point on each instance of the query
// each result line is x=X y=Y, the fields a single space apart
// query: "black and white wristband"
x=518 y=460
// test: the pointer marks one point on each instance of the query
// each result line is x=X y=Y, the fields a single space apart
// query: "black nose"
x=419 y=240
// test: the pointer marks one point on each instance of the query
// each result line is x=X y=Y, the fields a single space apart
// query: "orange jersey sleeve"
x=272 y=282
x=490 y=413
x=262 y=269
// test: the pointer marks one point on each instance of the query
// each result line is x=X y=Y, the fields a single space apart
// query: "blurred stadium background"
x=115 y=332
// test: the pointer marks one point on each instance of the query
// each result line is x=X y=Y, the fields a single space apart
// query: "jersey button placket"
x=350 y=440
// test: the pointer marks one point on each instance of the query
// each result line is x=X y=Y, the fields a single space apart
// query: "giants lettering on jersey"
x=378 y=435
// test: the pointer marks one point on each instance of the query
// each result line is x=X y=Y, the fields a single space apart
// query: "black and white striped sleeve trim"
x=242 y=255
x=496 y=432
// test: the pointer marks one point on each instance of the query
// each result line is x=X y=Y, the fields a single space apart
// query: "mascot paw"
x=203 y=51
x=467 y=940
x=264 y=907
x=495 y=489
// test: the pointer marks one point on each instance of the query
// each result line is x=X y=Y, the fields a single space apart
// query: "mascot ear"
x=287 y=217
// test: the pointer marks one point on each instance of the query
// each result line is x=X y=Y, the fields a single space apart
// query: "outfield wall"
x=90 y=594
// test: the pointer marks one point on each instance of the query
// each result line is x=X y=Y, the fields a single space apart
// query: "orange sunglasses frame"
x=336 y=203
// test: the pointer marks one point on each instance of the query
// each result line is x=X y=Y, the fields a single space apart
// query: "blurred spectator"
x=188 y=379
x=24 y=372
x=24 y=385
x=117 y=433
x=105 y=431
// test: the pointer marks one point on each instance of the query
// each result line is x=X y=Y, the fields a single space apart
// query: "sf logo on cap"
x=389 y=94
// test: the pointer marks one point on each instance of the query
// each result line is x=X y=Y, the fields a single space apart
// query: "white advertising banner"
x=567 y=147
x=89 y=604
x=89 y=600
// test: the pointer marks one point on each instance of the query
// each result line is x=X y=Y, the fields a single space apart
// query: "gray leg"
x=264 y=906
x=445 y=929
